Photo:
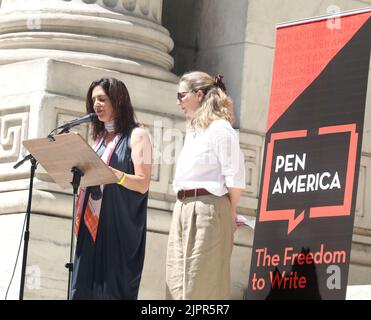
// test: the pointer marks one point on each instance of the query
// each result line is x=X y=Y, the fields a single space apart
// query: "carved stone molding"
x=124 y=36
x=252 y=162
x=16 y=201
x=362 y=214
x=13 y=129
x=360 y=206
x=144 y=9
x=161 y=169
x=129 y=4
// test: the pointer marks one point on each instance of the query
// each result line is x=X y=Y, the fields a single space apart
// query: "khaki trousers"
x=199 y=249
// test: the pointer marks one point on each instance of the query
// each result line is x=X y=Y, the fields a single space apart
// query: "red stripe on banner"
x=302 y=52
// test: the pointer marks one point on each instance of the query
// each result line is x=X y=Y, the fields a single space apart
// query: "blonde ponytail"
x=215 y=105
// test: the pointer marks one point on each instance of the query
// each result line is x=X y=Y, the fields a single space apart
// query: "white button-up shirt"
x=211 y=159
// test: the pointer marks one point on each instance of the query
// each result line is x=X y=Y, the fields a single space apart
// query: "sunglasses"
x=181 y=95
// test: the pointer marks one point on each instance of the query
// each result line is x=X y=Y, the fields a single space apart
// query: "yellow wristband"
x=122 y=179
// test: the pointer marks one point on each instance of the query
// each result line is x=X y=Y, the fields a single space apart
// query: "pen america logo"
x=311 y=163
x=309 y=171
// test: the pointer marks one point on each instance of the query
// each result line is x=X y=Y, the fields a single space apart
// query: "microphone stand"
x=77 y=174
x=28 y=217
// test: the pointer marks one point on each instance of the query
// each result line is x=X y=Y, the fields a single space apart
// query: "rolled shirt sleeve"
x=238 y=180
x=227 y=148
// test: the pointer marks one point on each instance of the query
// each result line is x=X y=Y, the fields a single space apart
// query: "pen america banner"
x=308 y=191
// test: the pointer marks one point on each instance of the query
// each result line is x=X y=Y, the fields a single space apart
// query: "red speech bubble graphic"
x=325 y=211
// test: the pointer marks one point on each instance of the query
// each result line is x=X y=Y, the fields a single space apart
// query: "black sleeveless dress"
x=111 y=268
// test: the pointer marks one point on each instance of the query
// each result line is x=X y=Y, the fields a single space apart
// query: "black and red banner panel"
x=308 y=191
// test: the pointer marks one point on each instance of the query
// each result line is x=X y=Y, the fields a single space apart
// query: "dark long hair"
x=123 y=111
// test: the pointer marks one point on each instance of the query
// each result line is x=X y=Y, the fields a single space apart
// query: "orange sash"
x=93 y=207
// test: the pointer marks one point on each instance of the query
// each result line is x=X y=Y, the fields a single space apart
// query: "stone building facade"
x=51 y=50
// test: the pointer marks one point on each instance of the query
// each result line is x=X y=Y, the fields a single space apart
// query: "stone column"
x=124 y=35
x=50 y=52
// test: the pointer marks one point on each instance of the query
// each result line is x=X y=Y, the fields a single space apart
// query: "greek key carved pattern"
x=13 y=129
x=160 y=131
x=363 y=203
x=155 y=175
x=360 y=203
x=252 y=160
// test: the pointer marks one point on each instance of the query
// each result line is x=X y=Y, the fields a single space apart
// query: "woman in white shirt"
x=208 y=182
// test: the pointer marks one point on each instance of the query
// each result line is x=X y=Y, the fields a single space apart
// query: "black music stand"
x=59 y=156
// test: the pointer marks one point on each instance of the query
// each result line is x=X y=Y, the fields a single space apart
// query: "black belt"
x=182 y=194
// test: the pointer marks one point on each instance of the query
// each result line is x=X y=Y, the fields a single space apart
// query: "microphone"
x=75 y=122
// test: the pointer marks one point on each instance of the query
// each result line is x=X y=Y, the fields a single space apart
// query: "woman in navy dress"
x=111 y=219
